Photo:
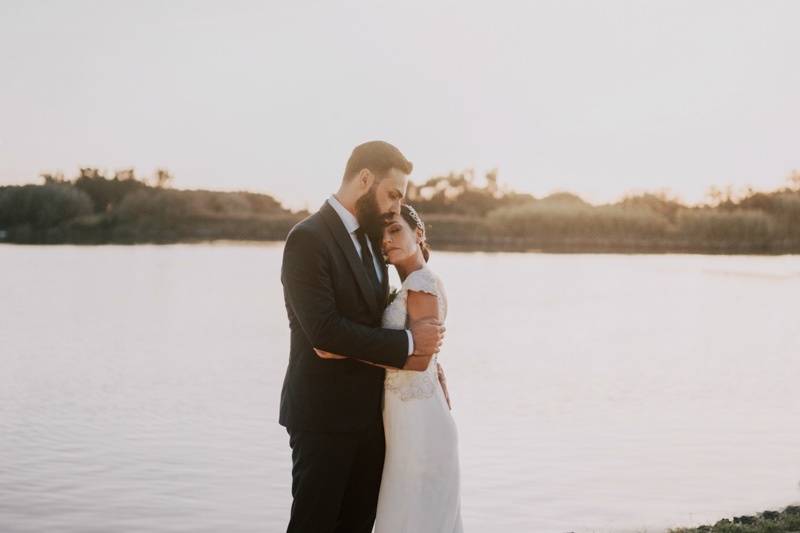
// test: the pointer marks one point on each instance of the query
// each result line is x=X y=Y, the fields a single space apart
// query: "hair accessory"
x=415 y=216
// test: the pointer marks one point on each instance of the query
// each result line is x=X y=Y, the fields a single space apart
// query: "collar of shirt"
x=348 y=219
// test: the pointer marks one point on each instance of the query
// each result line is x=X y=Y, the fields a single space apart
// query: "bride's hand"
x=443 y=383
x=328 y=355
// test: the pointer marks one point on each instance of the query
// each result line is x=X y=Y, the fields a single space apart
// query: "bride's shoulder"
x=423 y=280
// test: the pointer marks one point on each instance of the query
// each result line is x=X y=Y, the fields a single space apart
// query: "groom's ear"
x=366 y=178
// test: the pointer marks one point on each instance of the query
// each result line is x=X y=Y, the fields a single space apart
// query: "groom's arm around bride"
x=309 y=293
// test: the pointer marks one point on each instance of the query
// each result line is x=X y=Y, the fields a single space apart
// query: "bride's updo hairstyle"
x=414 y=221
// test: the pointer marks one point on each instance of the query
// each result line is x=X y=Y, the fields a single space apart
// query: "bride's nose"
x=386 y=240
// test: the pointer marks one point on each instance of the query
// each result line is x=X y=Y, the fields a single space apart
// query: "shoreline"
x=487 y=246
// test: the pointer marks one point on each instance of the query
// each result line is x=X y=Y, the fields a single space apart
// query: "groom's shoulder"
x=308 y=230
x=310 y=224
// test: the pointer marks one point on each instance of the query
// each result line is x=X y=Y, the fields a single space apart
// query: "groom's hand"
x=428 y=336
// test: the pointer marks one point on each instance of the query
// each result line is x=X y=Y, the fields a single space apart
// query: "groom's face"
x=382 y=201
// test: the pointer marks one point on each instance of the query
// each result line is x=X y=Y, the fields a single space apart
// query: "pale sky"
x=596 y=97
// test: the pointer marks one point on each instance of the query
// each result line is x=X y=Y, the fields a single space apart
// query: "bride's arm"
x=421 y=307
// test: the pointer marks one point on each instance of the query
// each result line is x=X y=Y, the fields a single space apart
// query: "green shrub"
x=725 y=227
x=41 y=206
x=554 y=220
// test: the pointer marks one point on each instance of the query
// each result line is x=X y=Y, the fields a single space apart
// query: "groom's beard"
x=369 y=215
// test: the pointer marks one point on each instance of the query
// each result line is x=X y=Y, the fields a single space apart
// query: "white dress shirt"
x=351 y=225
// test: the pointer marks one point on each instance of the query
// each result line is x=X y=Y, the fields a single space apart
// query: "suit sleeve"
x=307 y=285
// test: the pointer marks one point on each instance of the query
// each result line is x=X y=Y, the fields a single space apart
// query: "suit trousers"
x=336 y=478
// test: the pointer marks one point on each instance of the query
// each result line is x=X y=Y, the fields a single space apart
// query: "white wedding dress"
x=420 y=485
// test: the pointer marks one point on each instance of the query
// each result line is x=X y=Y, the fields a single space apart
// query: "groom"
x=335 y=286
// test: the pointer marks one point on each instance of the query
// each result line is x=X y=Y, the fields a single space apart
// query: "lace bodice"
x=410 y=384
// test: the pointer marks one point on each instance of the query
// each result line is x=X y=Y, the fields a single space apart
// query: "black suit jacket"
x=332 y=306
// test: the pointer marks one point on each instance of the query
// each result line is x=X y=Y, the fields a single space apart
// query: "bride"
x=420 y=484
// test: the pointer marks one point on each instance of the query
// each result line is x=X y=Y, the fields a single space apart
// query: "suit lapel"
x=384 y=266
x=345 y=242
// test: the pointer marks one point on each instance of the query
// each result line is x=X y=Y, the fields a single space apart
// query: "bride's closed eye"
x=394 y=228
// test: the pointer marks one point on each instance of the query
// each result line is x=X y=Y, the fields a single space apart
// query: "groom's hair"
x=378 y=157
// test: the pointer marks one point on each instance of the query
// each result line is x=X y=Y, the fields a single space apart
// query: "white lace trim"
x=422 y=281
x=410 y=385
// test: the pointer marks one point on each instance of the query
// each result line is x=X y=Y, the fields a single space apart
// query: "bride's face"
x=400 y=241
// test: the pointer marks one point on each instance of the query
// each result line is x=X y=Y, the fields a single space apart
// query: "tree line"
x=460 y=210
x=94 y=208
x=462 y=213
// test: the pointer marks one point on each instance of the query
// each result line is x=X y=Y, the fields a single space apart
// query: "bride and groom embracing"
x=364 y=399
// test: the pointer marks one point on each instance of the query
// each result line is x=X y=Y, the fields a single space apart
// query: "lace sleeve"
x=422 y=280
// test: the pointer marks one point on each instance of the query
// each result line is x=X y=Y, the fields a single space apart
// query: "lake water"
x=139 y=388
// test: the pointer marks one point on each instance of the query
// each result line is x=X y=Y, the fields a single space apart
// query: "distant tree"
x=264 y=204
x=564 y=198
x=721 y=197
x=58 y=177
x=759 y=200
x=794 y=180
x=661 y=202
x=125 y=174
x=107 y=193
x=163 y=178
x=458 y=194
x=491 y=182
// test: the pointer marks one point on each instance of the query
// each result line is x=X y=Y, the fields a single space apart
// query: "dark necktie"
x=367 y=261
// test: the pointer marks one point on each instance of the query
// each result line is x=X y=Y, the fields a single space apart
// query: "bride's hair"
x=413 y=219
